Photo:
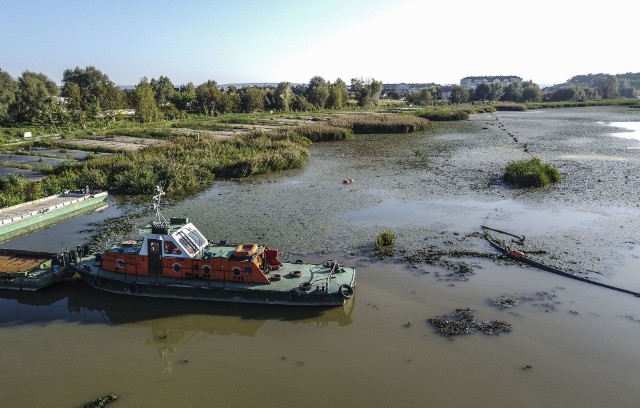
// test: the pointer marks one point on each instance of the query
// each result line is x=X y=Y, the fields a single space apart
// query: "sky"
x=256 y=41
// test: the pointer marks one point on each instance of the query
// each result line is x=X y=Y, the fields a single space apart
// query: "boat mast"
x=159 y=219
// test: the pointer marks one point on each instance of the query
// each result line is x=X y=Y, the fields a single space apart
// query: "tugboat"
x=173 y=259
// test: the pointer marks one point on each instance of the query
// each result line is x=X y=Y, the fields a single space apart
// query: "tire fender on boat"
x=119 y=263
x=176 y=267
x=294 y=295
x=206 y=270
x=345 y=291
x=275 y=277
x=305 y=286
x=134 y=287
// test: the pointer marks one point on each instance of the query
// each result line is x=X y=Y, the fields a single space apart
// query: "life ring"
x=306 y=286
x=236 y=271
x=275 y=277
x=294 y=295
x=295 y=274
x=345 y=291
x=206 y=270
x=119 y=263
x=134 y=287
x=176 y=267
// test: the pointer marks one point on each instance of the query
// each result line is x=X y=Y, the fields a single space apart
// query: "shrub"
x=385 y=239
x=531 y=173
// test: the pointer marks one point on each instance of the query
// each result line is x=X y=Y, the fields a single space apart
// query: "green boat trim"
x=31 y=216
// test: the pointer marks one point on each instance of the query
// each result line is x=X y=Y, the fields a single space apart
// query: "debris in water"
x=505 y=301
x=100 y=402
x=462 y=321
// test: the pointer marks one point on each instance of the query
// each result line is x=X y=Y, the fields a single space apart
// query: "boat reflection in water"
x=77 y=302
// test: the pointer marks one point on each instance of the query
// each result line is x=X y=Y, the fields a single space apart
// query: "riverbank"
x=571 y=344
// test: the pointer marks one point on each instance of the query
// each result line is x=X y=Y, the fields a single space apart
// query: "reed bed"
x=380 y=123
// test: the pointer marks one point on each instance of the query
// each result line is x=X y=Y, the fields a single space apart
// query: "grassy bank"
x=184 y=164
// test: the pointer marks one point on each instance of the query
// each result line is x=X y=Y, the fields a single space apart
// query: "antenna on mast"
x=159 y=220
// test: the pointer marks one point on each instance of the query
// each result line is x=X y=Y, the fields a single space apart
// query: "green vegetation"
x=531 y=173
x=440 y=115
x=385 y=239
x=380 y=123
x=510 y=107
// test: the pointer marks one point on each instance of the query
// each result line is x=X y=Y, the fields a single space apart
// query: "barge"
x=27 y=217
x=30 y=270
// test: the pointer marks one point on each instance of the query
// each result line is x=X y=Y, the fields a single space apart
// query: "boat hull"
x=286 y=291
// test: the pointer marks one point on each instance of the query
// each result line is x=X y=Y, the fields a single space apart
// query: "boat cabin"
x=177 y=249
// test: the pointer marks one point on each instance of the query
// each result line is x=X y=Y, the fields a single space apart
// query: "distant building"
x=445 y=91
x=474 y=81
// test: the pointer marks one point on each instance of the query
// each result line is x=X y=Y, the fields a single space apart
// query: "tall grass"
x=380 y=123
x=531 y=173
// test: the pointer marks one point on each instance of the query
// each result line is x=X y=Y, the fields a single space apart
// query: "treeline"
x=88 y=96
x=526 y=91
x=578 y=88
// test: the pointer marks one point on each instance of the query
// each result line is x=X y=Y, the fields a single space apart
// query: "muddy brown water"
x=571 y=345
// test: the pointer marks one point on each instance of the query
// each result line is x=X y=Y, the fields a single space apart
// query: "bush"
x=531 y=173
x=385 y=239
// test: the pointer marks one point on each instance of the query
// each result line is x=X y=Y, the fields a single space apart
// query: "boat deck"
x=20 y=211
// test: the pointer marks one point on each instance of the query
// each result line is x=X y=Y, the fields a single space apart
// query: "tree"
x=609 y=87
x=301 y=104
x=496 y=92
x=252 y=98
x=422 y=97
x=185 y=98
x=208 y=97
x=163 y=89
x=531 y=92
x=512 y=92
x=74 y=103
x=367 y=92
x=97 y=92
x=8 y=94
x=317 y=92
x=459 y=94
x=145 y=102
x=482 y=91
x=231 y=101
x=338 y=95
x=283 y=96
x=35 y=98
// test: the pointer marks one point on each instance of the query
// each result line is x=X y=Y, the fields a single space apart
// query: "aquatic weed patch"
x=531 y=173
x=463 y=321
